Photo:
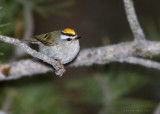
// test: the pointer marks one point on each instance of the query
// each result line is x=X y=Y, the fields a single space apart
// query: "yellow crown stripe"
x=69 y=31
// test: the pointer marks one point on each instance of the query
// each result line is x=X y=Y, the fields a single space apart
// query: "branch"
x=115 y=53
x=24 y=68
x=122 y=52
x=31 y=52
x=133 y=21
x=157 y=110
x=2 y=112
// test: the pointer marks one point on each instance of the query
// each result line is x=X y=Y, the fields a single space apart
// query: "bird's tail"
x=30 y=40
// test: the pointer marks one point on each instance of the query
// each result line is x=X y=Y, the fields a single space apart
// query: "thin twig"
x=143 y=62
x=105 y=92
x=29 y=28
x=133 y=21
x=29 y=21
x=8 y=102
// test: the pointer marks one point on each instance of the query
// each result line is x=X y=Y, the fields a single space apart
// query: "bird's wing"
x=49 y=39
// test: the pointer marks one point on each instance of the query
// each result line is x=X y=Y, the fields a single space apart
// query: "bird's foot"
x=64 y=70
x=60 y=67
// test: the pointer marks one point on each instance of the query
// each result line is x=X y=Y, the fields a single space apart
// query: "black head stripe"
x=67 y=34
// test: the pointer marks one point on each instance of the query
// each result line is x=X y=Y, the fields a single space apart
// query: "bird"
x=61 y=45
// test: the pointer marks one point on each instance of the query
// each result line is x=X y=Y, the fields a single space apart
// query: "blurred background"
x=113 y=88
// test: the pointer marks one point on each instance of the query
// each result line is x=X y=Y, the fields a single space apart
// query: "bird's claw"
x=60 y=67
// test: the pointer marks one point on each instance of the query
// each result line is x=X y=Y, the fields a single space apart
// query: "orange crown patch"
x=69 y=31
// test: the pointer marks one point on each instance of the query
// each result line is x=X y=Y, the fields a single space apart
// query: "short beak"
x=76 y=39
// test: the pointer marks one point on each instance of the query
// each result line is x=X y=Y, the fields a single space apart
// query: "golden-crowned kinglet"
x=61 y=45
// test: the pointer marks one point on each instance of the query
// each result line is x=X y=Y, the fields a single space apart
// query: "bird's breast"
x=70 y=52
x=65 y=52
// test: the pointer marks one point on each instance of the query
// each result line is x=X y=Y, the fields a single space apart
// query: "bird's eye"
x=69 y=39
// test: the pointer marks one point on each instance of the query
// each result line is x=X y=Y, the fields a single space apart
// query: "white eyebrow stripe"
x=65 y=36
